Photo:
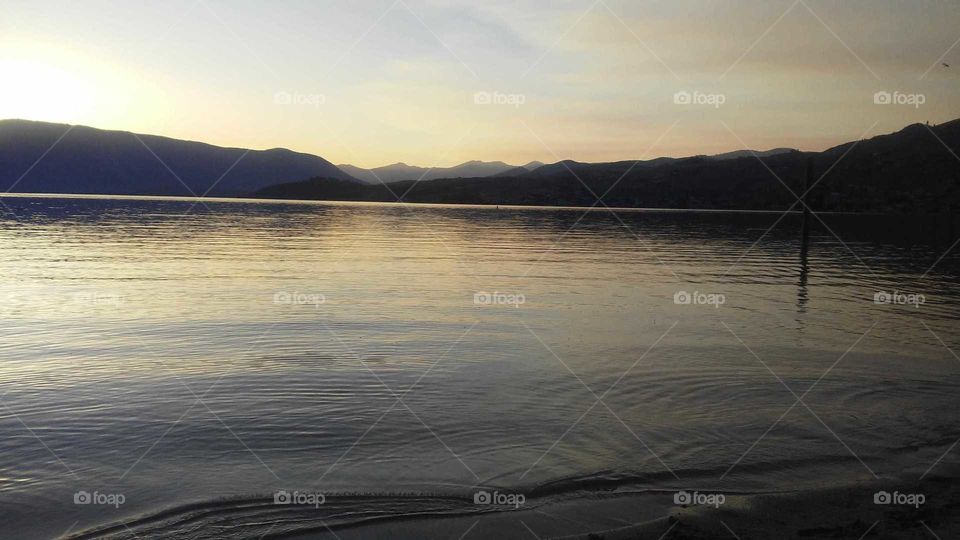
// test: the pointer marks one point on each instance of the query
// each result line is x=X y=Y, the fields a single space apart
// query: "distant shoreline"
x=314 y=202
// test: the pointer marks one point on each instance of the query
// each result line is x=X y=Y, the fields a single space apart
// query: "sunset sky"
x=375 y=82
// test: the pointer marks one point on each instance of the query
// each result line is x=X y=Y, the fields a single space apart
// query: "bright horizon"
x=398 y=81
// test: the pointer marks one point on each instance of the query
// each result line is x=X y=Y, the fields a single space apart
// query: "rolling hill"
x=915 y=170
x=401 y=171
x=79 y=159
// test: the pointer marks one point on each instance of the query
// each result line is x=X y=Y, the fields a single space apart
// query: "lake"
x=198 y=355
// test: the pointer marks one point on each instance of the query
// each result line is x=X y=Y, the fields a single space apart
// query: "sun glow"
x=42 y=91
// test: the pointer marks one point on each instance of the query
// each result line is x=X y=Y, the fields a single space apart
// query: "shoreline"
x=841 y=511
x=332 y=202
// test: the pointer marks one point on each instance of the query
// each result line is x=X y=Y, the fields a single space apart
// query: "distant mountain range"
x=80 y=159
x=401 y=171
x=915 y=170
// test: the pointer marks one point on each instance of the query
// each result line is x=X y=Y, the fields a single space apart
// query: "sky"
x=436 y=83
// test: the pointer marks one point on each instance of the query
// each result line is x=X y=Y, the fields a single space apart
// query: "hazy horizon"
x=394 y=81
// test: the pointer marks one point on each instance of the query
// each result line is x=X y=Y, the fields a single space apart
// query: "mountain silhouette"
x=95 y=161
x=401 y=171
x=915 y=170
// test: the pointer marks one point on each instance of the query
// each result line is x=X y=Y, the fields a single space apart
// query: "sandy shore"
x=833 y=513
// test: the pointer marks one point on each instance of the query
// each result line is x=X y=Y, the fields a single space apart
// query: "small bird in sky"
x=945 y=64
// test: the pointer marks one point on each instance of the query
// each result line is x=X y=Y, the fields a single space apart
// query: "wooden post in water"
x=802 y=295
x=805 y=198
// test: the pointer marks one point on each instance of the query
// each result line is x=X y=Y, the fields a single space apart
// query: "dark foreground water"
x=200 y=357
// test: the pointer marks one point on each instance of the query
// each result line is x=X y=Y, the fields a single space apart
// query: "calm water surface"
x=178 y=352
